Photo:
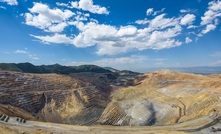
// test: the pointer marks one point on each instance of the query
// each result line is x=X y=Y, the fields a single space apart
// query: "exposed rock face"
x=164 y=97
x=73 y=99
x=154 y=99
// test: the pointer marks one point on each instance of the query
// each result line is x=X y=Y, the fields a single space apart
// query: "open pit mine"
x=157 y=102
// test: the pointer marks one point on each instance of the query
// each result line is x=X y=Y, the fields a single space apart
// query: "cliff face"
x=153 y=99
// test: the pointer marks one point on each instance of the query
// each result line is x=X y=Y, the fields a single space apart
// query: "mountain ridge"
x=55 y=68
x=60 y=69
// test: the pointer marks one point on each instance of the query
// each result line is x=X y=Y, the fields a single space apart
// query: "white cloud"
x=25 y=52
x=160 y=22
x=43 y=17
x=62 y=4
x=215 y=5
x=211 y=17
x=110 y=40
x=209 y=28
x=3 y=7
x=33 y=57
x=214 y=11
x=21 y=52
x=56 y=38
x=88 y=5
x=149 y=11
x=208 y=17
x=127 y=31
x=191 y=27
x=157 y=12
x=188 y=40
x=188 y=19
x=158 y=37
x=142 y=22
x=58 y=27
x=184 y=11
x=161 y=32
x=10 y=2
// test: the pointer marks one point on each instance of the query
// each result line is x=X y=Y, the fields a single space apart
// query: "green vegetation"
x=56 y=68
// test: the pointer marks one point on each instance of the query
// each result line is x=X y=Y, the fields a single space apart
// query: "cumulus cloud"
x=188 y=40
x=191 y=27
x=188 y=19
x=161 y=32
x=161 y=22
x=149 y=11
x=127 y=31
x=209 y=28
x=88 y=5
x=56 y=38
x=62 y=4
x=43 y=17
x=110 y=40
x=10 y=2
x=142 y=22
x=157 y=12
x=58 y=27
x=208 y=17
x=214 y=11
x=211 y=17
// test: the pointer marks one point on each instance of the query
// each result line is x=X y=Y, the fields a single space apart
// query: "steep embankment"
x=165 y=100
x=73 y=99
x=164 y=97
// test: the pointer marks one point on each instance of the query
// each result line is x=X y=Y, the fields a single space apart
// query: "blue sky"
x=134 y=35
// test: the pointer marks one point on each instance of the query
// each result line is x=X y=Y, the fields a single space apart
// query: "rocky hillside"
x=165 y=100
x=164 y=97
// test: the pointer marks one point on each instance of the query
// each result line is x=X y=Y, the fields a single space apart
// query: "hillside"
x=168 y=101
x=56 y=68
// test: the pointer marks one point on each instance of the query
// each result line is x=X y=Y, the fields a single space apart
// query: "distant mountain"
x=56 y=68
x=121 y=72
x=204 y=70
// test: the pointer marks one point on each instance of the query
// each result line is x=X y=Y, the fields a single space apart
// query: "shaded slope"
x=56 y=98
x=56 y=68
